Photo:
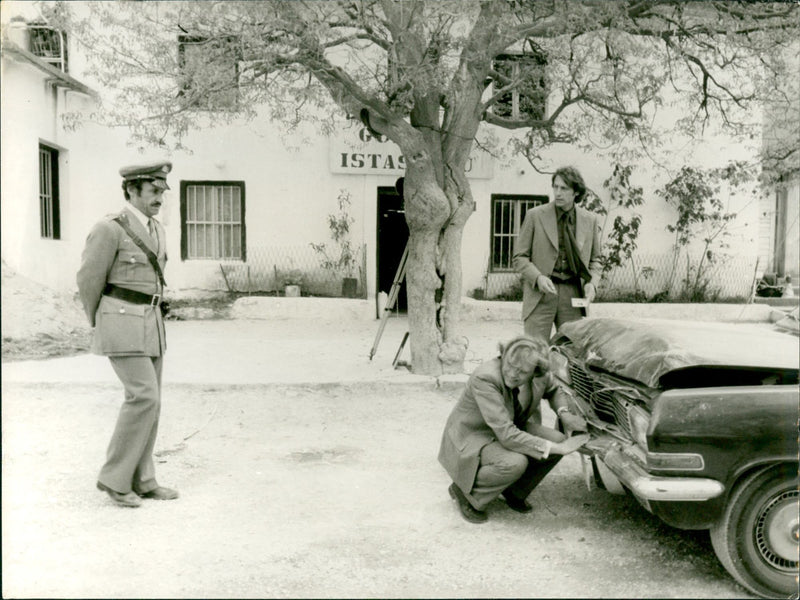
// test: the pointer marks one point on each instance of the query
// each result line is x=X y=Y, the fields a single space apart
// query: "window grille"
x=48 y=44
x=49 y=209
x=507 y=215
x=212 y=220
x=527 y=72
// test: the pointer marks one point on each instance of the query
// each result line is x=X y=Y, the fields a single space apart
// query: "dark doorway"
x=392 y=240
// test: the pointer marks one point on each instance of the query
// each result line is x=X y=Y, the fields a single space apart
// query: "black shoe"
x=160 y=493
x=129 y=500
x=469 y=512
x=514 y=503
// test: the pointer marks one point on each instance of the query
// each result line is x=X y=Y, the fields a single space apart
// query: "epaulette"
x=117 y=215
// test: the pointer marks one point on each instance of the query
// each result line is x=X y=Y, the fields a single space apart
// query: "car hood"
x=646 y=349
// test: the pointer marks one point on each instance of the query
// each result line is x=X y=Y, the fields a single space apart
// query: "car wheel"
x=756 y=540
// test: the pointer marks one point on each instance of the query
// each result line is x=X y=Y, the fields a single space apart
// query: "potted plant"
x=292 y=282
x=341 y=257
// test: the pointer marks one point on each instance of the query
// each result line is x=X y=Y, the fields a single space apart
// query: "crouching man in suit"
x=121 y=283
x=494 y=441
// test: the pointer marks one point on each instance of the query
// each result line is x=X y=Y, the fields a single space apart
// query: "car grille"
x=609 y=401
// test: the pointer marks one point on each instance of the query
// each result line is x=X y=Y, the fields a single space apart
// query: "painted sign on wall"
x=356 y=151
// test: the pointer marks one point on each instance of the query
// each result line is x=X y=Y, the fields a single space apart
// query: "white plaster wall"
x=289 y=186
x=27 y=120
x=518 y=177
x=289 y=194
x=89 y=183
x=793 y=231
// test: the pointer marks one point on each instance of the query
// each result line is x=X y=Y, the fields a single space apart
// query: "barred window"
x=49 y=209
x=48 y=44
x=508 y=211
x=527 y=73
x=212 y=220
x=209 y=72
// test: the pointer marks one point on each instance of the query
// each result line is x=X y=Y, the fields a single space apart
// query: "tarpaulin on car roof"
x=647 y=349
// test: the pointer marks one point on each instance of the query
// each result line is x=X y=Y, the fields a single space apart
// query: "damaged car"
x=699 y=422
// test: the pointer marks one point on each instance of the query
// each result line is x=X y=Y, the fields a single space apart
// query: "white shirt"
x=143 y=218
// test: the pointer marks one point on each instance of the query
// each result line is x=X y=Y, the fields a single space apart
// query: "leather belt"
x=132 y=296
x=568 y=279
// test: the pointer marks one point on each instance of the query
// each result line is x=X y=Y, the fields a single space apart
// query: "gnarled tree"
x=430 y=76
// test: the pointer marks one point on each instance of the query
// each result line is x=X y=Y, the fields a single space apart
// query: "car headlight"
x=639 y=421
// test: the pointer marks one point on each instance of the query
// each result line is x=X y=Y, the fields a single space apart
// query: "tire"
x=756 y=539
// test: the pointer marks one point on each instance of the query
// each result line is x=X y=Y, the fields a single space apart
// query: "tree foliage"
x=341 y=256
x=622 y=240
x=701 y=217
x=426 y=75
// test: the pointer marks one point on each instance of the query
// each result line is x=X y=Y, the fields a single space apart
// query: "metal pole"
x=397 y=360
x=393 y=294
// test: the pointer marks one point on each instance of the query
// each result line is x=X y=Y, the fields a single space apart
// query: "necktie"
x=517 y=408
x=566 y=222
x=151 y=227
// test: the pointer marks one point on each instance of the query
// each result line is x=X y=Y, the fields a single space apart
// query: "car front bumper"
x=631 y=474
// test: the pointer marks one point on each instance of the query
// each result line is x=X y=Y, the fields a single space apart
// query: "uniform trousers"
x=129 y=459
x=553 y=309
x=505 y=470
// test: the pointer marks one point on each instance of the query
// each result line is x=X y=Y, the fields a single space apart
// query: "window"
x=48 y=44
x=508 y=211
x=49 y=210
x=210 y=72
x=528 y=99
x=212 y=220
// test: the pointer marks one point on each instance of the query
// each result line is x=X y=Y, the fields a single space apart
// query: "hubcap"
x=777 y=531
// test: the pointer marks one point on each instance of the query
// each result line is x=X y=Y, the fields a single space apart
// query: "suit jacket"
x=484 y=414
x=536 y=249
x=122 y=328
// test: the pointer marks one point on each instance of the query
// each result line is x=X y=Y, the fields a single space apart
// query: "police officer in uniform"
x=121 y=291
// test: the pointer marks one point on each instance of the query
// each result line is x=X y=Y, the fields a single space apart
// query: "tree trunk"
x=454 y=345
x=426 y=211
x=459 y=196
x=422 y=282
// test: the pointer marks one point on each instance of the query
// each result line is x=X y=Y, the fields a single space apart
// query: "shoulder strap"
x=123 y=222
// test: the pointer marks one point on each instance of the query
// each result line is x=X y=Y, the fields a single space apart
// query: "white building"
x=272 y=194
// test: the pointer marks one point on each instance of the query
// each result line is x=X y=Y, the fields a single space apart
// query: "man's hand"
x=545 y=284
x=570 y=445
x=572 y=422
x=589 y=291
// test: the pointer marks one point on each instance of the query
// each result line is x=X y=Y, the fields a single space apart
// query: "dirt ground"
x=309 y=491
x=38 y=322
x=305 y=471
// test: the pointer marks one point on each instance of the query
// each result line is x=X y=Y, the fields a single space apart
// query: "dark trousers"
x=505 y=470
x=553 y=309
x=532 y=476
x=129 y=459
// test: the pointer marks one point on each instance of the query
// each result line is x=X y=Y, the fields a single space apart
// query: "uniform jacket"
x=484 y=414
x=536 y=249
x=110 y=256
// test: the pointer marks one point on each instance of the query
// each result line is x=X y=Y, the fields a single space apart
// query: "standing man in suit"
x=557 y=253
x=494 y=441
x=121 y=283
